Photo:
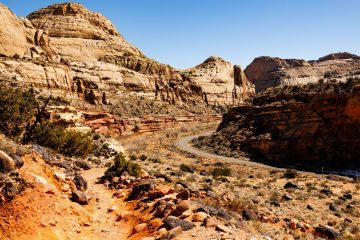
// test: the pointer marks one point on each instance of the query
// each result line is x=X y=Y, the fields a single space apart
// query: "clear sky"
x=183 y=33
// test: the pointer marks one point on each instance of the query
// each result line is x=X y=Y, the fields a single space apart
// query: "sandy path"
x=104 y=225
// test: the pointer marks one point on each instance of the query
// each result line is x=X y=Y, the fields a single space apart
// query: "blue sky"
x=183 y=33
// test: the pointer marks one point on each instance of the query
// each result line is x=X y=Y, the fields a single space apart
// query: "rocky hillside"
x=78 y=54
x=267 y=72
x=314 y=125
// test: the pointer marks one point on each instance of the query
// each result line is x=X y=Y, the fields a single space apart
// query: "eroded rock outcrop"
x=101 y=58
x=221 y=82
x=267 y=72
x=315 y=125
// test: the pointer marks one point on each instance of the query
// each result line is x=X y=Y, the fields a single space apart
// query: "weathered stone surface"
x=13 y=37
x=267 y=72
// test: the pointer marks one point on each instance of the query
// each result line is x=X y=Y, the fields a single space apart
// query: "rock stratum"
x=313 y=125
x=68 y=49
x=266 y=72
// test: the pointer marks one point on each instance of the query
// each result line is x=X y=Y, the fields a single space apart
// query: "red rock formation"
x=314 y=125
x=108 y=124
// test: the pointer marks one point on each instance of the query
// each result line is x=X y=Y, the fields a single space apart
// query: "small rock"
x=290 y=185
x=143 y=174
x=65 y=188
x=349 y=206
x=209 y=222
x=112 y=209
x=83 y=164
x=79 y=197
x=249 y=214
x=182 y=207
x=310 y=207
x=287 y=197
x=327 y=232
x=199 y=217
x=162 y=231
x=275 y=203
x=186 y=214
x=347 y=196
x=331 y=223
x=334 y=207
x=293 y=224
x=19 y=162
x=175 y=232
x=327 y=191
x=223 y=228
x=184 y=195
x=81 y=183
x=173 y=222
x=140 y=227
x=118 y=194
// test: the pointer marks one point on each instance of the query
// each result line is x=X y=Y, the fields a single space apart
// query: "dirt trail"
x=183 y=144
x=104 y=225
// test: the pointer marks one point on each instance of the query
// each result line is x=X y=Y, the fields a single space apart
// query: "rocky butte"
x=267 y=72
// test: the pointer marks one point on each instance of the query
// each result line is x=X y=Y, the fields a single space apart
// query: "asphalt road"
x=184 y=145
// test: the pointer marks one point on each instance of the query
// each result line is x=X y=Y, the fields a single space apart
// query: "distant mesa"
x=267 y=72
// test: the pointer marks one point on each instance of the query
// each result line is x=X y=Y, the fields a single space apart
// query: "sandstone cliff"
x=220 y=81
x=101 y=59
x=305 y=126
x=78 y=54
x=267 y=72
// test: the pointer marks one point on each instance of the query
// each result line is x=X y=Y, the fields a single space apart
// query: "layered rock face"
x=267 y=72
x=306 y=126
x=100 y=58
x=220 y=81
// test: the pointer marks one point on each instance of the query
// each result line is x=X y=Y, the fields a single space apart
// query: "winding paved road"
x=184 y=145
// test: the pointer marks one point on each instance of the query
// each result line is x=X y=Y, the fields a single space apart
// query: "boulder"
x=172 y=222
x=181 y=207
x=199 y=217
x=80 y=197
x=83 y=164
x=140 y=227
x=328 y=232
x=7 y=164
x=81 y=183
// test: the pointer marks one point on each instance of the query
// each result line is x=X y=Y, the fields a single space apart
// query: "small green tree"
x=120 y=166
x=17 y=110
x=70 y=143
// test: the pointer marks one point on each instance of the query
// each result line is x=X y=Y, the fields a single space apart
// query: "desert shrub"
x=70 y=143
x=120 y=166
x=143 y=157
x=290 y=174
x=155 y=160
x=96 y=136
x=133 y=157
x=221 y=171
x=186 y=168
x=17 y=110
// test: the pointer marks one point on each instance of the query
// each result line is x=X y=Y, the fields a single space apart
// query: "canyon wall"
x=310 y=125
x=65 y=47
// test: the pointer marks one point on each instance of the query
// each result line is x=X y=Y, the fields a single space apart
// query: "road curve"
x=183 y=144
